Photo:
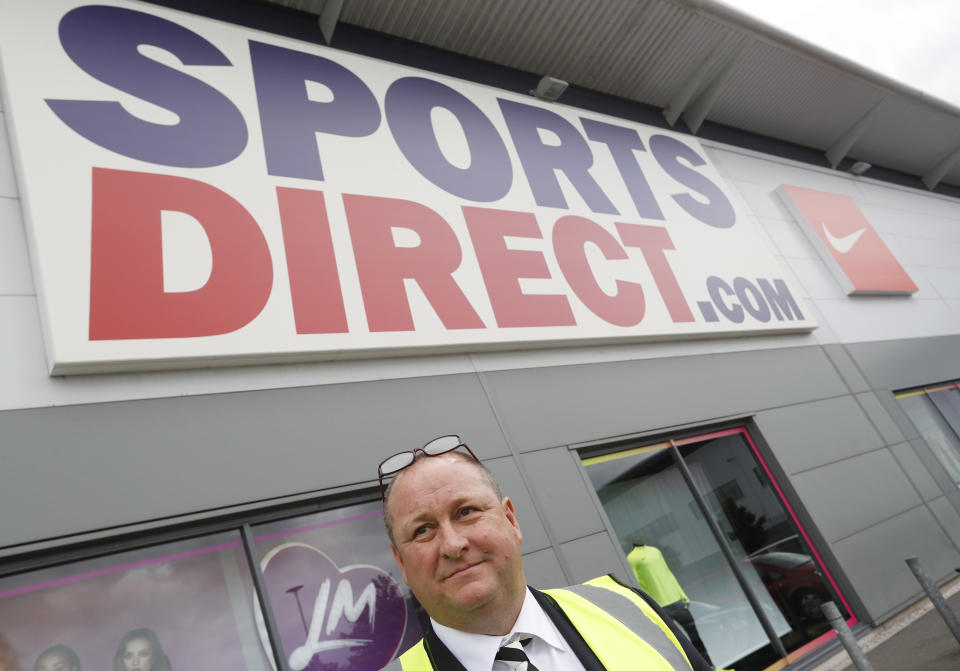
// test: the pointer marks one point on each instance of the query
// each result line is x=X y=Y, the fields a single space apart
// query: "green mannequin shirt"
x=654 y=576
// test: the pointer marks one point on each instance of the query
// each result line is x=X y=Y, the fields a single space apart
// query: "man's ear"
x=396 y=555
x=511 y=514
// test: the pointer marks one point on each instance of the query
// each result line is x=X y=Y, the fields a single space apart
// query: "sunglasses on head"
x=401 y=460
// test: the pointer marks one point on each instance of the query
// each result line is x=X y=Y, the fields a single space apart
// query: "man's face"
x=457 y=544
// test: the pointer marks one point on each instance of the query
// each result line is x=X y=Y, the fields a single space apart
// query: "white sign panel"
x=199 y=193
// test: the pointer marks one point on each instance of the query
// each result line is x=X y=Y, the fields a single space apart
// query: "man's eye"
x=466 y=510
x=420 y=530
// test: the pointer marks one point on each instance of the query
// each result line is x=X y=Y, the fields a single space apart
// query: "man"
x=457 y=542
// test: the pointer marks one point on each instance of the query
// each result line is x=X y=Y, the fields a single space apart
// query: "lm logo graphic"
x=331 y=619
x=847 y=243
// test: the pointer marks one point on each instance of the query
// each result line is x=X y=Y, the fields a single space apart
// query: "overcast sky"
x=912 y=41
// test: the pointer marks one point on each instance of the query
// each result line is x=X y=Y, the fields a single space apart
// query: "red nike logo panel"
x=846 y=241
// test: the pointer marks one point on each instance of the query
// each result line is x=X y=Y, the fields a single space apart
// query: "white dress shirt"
x=548 y=650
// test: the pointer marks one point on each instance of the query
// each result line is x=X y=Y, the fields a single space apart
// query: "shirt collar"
x=476 y=651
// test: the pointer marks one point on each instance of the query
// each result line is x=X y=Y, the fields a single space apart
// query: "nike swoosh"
x=844 y=243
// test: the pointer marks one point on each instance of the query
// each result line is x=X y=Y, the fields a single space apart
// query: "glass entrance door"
x=709 y=538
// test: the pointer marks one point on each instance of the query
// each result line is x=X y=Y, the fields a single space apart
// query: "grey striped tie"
x=513 y=655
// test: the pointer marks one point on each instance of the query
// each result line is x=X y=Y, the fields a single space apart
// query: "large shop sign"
x=199 y=193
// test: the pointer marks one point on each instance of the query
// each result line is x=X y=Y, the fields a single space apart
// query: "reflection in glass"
x=776 y=559
x=932 y=424
x=337 y=595
x=655 y=516
x=195 y=596
x=948 y=403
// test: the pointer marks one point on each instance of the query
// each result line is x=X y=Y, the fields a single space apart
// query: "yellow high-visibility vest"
x=623 y=631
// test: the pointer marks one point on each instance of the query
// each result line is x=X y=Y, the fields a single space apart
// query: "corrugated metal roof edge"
x=356 y=39
x=737 y=19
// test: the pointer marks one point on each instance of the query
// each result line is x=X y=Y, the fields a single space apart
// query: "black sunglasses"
x=401 y=460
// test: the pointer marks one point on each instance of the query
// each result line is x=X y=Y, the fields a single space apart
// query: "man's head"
x=457 y=542
x=467 y=459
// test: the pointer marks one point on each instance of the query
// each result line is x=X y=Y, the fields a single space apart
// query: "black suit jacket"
x=444 y=660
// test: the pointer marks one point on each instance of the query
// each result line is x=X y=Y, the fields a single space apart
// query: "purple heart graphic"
x=331 y=619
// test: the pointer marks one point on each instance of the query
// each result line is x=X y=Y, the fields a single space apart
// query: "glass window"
x=936 y=414
x=682 y=565
x=181 y=605
x=335 y=590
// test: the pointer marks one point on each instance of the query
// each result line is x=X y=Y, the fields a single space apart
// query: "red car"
x=794 y=582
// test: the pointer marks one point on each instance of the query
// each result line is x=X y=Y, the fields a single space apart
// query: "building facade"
x=708 y=345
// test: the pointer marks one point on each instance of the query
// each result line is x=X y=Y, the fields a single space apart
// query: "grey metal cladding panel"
x=809 y=435
x=900 y=364
x=848 y=369
x=15 y=277
x=589 y=401
x=948 y=517
x=954 y=497
x=562 y=494
x=848 y=496
x=511 y=484
x=933 y=464
x=542 y=569
x=8 y=183
x=143 y=460
x=873 y=560
x=916 y=471
x=593 y=556
x=881 y=419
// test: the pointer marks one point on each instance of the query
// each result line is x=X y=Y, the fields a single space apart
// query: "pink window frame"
x=823 y=638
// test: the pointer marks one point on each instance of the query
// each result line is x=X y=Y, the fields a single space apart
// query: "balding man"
x=457 y=542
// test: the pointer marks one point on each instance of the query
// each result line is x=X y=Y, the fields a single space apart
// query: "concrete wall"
x=87 y=456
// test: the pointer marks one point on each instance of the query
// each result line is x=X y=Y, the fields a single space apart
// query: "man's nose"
x=452 y=541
